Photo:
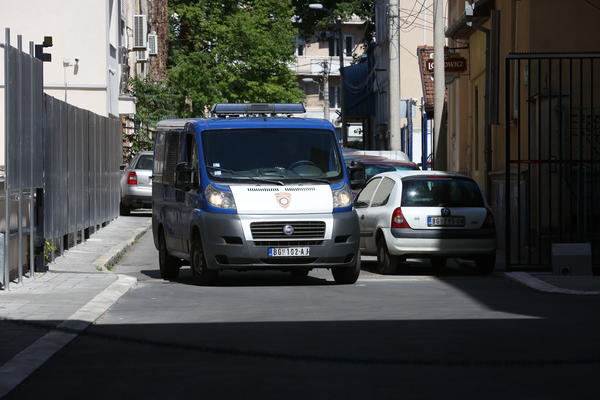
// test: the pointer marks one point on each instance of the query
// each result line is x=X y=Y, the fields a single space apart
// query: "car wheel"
x=299 y=273
x=347 y=275
x=200 y=271
x=169 y=265
x=386 y=263
x=124 y=210
x=485 y=264
x=438 y=262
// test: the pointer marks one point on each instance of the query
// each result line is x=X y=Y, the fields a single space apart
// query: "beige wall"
x=78 y=28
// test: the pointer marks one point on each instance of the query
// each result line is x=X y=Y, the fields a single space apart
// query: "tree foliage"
x=231 y=51
x=311 y=21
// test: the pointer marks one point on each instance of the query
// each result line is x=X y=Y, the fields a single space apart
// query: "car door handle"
x=362 y=216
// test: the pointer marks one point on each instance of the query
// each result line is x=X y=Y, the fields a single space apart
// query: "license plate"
x=445 y=221
x=289 y=251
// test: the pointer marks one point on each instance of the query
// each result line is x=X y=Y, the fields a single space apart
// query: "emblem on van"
x=445 y=212
x=283 y=199
x=288 y=230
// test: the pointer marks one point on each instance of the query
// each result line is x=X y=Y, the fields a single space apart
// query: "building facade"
x=524 y=120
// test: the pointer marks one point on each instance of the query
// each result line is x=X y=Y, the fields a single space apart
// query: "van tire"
x=386 y=263
x=200 y=270
x=169 y=265
x=347 y=275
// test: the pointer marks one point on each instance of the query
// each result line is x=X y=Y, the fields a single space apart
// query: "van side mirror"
x=358 y=178
x=183 y=176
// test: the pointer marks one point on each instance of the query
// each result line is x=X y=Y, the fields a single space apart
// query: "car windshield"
x=441 y=192
x=276 y=154
x=144 y=162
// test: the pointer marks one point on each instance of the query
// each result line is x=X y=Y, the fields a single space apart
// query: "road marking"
x=31 y=358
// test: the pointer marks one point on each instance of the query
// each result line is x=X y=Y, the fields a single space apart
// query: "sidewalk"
x=558 y=284
x=77 y=289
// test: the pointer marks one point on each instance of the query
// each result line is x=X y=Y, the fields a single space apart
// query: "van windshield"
x=278 y=154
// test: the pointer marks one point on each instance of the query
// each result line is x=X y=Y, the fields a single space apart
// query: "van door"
x=170 y=204
x=189 y=200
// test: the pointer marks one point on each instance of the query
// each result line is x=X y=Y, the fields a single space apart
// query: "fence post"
x=7 y=117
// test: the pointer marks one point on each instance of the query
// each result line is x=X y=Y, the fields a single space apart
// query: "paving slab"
x=77 y=289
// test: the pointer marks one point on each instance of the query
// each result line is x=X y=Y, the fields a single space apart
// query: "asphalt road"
x=267 y=335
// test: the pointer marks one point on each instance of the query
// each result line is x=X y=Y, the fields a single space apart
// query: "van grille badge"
x=283 y=199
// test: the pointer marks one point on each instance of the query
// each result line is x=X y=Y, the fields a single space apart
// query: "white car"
x=425 y=214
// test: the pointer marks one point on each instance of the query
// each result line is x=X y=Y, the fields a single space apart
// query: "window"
x=441 y=192
x=364 y=197
x=159 y=154
x=348 y=45
x=300 y=49
x=172 y=157
x=144 y=162
x=383 y=193
x=334 y=96
x=333 y=48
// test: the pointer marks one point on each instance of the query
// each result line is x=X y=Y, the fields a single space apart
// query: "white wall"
x=79 y=29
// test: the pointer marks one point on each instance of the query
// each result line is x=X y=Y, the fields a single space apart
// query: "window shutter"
x=140 y=31
x=152 y=45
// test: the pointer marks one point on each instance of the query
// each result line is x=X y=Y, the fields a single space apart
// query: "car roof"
x=398 y=175
x=249 y=122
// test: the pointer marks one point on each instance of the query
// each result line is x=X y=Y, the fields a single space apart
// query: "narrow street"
x=266 y=334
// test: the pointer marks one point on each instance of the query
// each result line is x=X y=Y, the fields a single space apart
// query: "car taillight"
x=489 y=220
x=132 y=178
x=398 y=220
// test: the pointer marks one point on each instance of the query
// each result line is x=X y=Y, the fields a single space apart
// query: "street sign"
x=452 y=64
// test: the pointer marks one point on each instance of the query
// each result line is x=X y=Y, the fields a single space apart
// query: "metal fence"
x=552 y=177
x=61 y=177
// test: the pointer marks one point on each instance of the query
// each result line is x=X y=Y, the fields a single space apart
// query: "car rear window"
x=144 y=162
x=441 y=192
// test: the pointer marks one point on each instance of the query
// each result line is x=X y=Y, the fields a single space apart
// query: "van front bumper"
x=227 y=247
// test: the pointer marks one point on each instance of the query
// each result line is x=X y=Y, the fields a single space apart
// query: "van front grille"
x=301 y=230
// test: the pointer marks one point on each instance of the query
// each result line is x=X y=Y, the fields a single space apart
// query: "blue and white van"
x=248 y=190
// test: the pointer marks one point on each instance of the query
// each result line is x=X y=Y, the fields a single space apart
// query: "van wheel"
x=169 y=265
x=200 y=270
x=485 y=264
x=347 y=275
x=386 y=263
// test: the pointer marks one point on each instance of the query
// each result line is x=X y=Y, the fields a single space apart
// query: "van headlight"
x=342 y=197
x=219 y=198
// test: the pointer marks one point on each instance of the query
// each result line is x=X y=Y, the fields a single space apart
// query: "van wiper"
x=315 y=180
x=236 y=173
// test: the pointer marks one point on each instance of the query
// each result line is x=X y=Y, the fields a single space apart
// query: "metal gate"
x=552 y=134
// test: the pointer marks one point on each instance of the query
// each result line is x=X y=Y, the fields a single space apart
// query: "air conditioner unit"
x=141 y=56
x=152 y=44
x=140 y=31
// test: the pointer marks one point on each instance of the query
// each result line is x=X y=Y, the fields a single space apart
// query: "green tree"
x=231 y=51
x=310 y=21
x=155 y=101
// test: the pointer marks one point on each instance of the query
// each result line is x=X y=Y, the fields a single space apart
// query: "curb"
x=106 y=261
x=31 y=358
x=537 y=284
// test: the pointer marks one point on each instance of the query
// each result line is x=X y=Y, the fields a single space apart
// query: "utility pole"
x=326 y=113
x=394 y=73
x=439 y=78
x=341 y=51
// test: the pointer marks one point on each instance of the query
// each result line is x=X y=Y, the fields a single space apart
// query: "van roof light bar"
x=258 y=108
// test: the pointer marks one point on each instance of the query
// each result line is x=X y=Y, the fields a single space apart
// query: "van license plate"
x=289 y=251
x=445 y=221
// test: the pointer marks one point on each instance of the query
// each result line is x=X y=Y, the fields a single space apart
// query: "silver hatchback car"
x=136 y=183
x=425 y=214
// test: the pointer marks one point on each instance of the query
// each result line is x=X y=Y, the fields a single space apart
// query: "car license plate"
x=445 y=221
x=289 y=251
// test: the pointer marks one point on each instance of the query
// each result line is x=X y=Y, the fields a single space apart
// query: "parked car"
x=253 y=192
x=425 y=214
x=136 y=183
x=374 y=165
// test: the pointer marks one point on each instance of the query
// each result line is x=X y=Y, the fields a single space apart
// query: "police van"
x=250 y=190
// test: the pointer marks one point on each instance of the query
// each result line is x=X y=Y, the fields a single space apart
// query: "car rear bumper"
x=456 y=243
x=226 y=246
x=136 y=196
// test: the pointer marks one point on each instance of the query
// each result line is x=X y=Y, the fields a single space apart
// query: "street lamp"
x=338 y=29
